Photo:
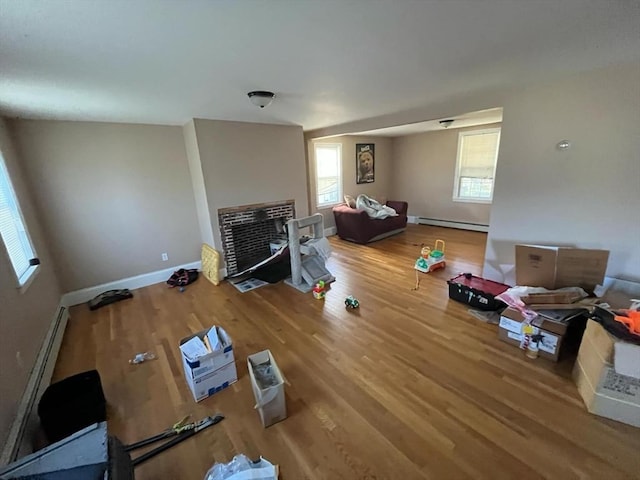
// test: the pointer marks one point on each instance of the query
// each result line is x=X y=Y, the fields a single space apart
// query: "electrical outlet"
x=165 y=257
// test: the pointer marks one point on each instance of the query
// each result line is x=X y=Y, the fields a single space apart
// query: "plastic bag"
x=242 y=468
x=142 y=357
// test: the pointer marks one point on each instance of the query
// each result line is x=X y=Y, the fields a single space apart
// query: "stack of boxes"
x=552 y=268
x=604 y=390
x=607 y=369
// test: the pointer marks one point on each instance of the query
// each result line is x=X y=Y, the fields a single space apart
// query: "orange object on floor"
x=631 y=318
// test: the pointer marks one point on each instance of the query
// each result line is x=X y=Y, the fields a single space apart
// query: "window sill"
x=29 y=276
x=473 y=200
x=328 y=205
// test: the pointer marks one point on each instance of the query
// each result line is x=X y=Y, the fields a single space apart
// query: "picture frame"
x=365 y=163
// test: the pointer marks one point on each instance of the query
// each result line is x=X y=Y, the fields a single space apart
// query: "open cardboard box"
x=270 y=401
x=558 y=267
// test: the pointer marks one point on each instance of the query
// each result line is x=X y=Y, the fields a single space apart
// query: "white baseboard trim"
x=19 y=441
x=477 y=227
x=330 y=231
x=84 y=295
x=412 y=219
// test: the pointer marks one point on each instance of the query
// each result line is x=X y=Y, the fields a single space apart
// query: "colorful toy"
x=430 y=260
x=319 y=290
x=351 y=302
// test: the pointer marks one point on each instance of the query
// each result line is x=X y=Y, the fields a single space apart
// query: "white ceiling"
x=473 y=119
x=329 y=62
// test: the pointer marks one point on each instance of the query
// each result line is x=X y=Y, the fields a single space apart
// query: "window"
x=328 y=174
x=476 y=165
x=13 y=232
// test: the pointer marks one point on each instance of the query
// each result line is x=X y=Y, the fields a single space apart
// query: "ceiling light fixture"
x=261 y=98
x=446 y=123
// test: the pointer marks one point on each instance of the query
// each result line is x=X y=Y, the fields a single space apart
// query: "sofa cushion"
x=349 y=200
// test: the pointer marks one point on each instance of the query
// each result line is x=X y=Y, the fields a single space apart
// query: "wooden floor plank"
x=408 y=386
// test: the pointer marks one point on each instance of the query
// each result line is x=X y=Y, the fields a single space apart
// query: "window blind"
x=478 y=155
x=12 y=227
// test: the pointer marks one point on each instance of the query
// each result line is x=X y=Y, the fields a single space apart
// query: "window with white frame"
x=13 y=231
x=328 y=174
x=476 y=165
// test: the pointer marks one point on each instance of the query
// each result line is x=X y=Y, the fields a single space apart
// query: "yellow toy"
x=210 y=264
x=430 y=260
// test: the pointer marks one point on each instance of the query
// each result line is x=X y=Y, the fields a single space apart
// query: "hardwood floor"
x=408 y=386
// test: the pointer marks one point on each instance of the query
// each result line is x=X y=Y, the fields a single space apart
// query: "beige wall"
x=425 y=167
x=197 y=182
x=246 y=163
x=381 y=187
x=112 y=197
x=589 y=196
x=25 y=315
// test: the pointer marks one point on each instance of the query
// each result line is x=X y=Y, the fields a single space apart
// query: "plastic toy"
x=430 y=260
x=319 y=290
x=351 y=302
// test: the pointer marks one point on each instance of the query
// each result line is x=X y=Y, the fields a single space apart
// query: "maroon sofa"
x=356 y=226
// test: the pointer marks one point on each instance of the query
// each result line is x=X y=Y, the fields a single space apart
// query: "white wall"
x=588 y=196
x=25 y=315
x=383 y=167
x=424 y=173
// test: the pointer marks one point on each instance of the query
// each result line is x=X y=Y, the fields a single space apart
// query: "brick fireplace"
x=246 y=232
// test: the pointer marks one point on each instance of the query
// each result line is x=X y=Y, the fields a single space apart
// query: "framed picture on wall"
x=365 y=162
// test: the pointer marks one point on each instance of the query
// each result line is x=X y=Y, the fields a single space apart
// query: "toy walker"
x=430 y=260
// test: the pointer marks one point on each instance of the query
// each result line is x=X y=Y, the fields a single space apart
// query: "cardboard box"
x=270 y=401
x=605 y=392
x=212 y=372
x=623 y=356
x=551 y=298
x=559 y=328
x=510 y=331
x=558 y=267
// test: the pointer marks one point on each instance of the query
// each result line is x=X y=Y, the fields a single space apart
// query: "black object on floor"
x=72 y=404
x=108 y=297
x=178 y=433
x=273 y=273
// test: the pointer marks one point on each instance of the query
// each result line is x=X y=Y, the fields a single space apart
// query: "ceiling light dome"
x=261 y=98
x=446 y=123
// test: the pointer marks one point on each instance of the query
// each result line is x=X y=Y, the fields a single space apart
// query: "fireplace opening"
x=252 y=242
x=248 y=232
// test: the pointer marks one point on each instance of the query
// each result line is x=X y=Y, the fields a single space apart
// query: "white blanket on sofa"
x=374 y=208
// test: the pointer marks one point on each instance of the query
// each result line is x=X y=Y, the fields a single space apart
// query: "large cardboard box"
x=208 y=374
x=558 y=267
x=605 y=392
x=511 y=331
x=270 y=400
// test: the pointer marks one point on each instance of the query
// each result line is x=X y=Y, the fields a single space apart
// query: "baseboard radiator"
x=19 y=439
x=478 y=227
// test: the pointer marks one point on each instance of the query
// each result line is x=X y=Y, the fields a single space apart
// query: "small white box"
x=212 y=372
x=270 y=401
x=275 y=245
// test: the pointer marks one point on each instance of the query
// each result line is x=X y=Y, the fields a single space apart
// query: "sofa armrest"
x=400 y=207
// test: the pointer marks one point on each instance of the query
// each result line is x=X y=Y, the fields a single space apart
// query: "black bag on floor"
x=71 y=405
x=183 y=277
